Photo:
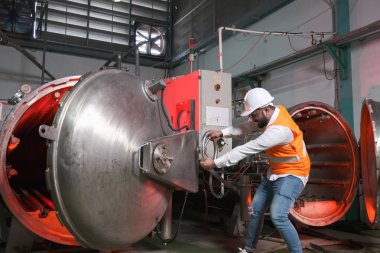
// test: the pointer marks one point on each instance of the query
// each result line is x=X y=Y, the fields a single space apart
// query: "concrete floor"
x=195 y=238
x=192 y=238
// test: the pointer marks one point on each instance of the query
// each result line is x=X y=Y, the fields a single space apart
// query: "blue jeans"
x=280 y=196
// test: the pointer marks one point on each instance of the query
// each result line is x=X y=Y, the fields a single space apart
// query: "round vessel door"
x=333 y=152
x=99 y=192
x=23 y=184
x=370 y=158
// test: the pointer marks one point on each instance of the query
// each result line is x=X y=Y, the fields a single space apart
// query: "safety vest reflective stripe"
x=291 y=158
x=284 y=159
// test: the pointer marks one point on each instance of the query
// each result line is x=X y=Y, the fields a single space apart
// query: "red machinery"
x=201 y=99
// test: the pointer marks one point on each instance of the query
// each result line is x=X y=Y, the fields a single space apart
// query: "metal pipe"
x=31 y=200
x=107 y=63
x=137 y=61
x=220 y=54
x=277 y=33
x=118 y=61
x=39 y=27
x=370 y=31
x=132 y=49
x=334 y=25
x=187 y=14
x=88 y=22
x=44 y=199
x=130 y=24
x=220 y=29
x=35 y=203
x=245 y=197
x=166 y=221
x=44 y=49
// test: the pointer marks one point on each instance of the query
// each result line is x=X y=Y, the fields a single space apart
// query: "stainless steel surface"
x=370 y=158
x=176 y=164
x=333 y=152
x=98 y=189
x=47 y=132
x=152 y=87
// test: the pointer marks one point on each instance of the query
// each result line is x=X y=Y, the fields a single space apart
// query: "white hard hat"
x=255 y=99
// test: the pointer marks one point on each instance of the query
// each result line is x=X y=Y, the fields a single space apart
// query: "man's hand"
x=215 y=134
x=207 y=164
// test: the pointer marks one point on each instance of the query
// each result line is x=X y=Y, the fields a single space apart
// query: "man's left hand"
x=207 y=164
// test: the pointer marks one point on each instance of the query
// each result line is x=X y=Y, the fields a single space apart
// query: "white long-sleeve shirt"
x=272 y=136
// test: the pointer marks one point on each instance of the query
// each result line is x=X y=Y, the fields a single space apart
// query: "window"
x=106 y=24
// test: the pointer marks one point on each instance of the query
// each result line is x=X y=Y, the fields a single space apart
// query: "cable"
x=244 y=37
x=246 y=54
x=309 y=20
x=167 y=117
x=329 y=3
x=242 y=169
x=290 y=44
x=167 y=241
x=324 y=68
x=179 y=118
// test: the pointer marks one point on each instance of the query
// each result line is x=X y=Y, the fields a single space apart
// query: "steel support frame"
x=340 y=57
x=345 y=101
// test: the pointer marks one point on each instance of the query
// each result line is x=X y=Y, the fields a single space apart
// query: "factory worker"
x=282 y=140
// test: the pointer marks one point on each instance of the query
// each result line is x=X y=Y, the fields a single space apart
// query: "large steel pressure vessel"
x=336 y=166
x=334 y=156
x=85 y=186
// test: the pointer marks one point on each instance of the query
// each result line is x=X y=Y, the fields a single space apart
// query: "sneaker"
x=244 y=251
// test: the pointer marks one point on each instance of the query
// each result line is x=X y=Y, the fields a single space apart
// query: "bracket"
x=172 y=160
x=340 y=57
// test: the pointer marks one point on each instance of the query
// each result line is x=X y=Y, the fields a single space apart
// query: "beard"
x=263 y=122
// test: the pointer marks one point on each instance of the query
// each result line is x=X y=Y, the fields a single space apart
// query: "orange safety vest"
x=291 y=158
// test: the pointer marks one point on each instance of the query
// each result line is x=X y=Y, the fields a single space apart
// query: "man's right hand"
x=214 y=134
x=207 y=164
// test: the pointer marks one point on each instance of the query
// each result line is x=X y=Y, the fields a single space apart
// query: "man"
x=289 y=166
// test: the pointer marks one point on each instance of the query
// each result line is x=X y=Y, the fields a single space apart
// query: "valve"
x=16 y=98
